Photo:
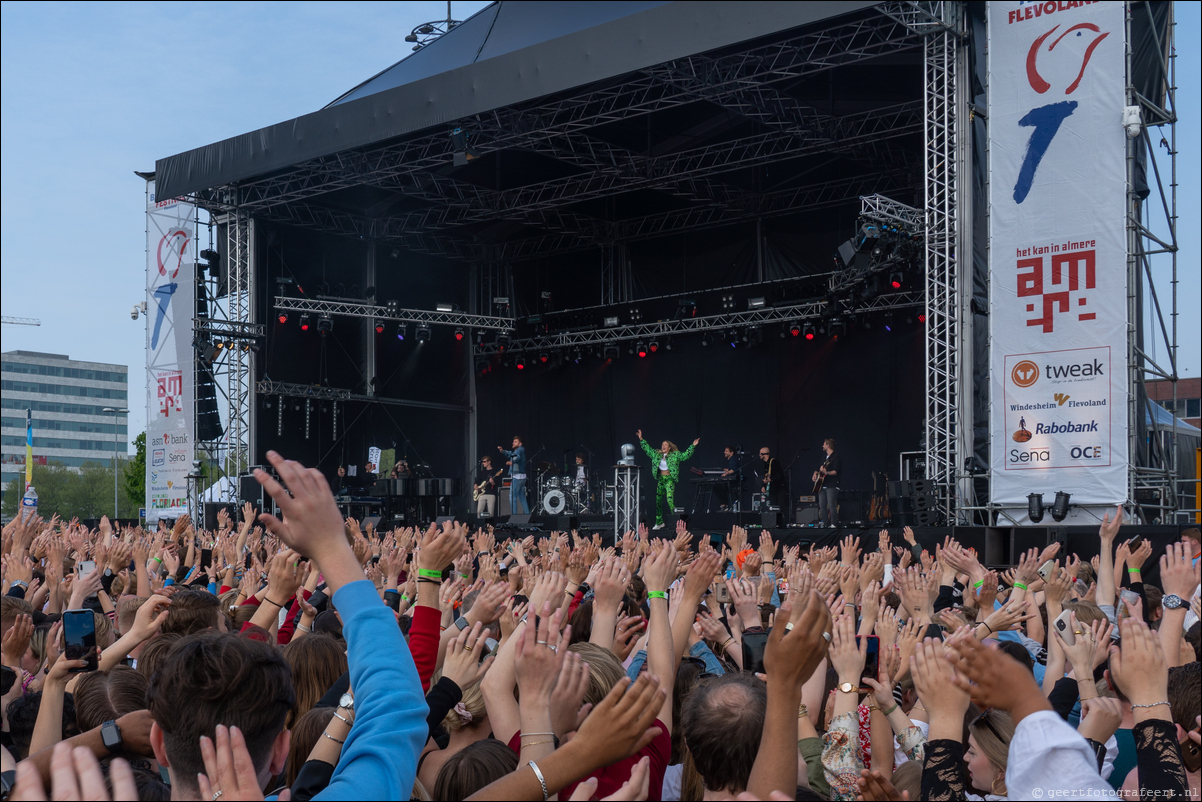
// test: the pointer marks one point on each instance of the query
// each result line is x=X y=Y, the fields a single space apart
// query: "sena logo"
x=1060 y=398
x=1025 y=373
x=1018 y=456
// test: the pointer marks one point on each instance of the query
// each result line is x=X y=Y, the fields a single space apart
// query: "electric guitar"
x=480 y=488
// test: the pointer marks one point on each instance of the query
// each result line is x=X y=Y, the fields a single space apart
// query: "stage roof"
x=509 y=53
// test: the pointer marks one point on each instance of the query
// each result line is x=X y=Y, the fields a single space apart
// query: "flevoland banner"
x=1058 y=289
x=170 y=299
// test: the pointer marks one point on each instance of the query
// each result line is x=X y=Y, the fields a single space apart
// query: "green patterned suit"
x=665 y=487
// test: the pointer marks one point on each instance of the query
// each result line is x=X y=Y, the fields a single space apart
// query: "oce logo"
x=1085 y=452
x=1025 y=373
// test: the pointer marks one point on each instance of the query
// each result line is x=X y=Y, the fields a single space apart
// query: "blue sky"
x=93 y=91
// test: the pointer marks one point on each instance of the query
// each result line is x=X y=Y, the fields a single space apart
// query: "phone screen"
x=206 y=558
x=79 y=638
x=873 y=659
x=754 y=644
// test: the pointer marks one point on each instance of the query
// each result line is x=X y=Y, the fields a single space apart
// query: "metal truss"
x=642 y=93
x=800 y=312
x=348 y=307
x=265 y=387
x=887 y=210
x=233 y=330
x=948 y=424
x=1153 y=467
x=922 y=18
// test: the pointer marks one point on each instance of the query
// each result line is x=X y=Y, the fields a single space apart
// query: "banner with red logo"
x=1058 y=257
x=170 y=307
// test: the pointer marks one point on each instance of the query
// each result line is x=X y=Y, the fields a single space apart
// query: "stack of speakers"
x=913 y=503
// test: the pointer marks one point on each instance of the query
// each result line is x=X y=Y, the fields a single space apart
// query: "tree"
x=134 y=474
x=82 y=493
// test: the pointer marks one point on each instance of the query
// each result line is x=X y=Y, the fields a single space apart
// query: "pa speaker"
x=922 y=487
x=899 y=489
x=899 y=506
x=924 y=502
x=926 y=518
x=212 y=507
x=566 y=523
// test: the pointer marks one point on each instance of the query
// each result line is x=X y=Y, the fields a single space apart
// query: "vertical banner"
x=170 y=298
x=1058 y=254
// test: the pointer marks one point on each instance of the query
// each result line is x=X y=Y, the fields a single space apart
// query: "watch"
x=110 y=735
x=847 y=687
x=347 y=701
x=1172 y=601
x=461 y=622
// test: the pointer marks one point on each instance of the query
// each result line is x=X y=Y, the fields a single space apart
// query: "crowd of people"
x=307 y=657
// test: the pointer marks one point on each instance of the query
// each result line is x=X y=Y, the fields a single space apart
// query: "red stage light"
x=896 y=284
x=520 y=365
x=922 y=318
x=379 y=328
x=459 y=335
x=654 y=348
x=809 y=335
x=283 y=318
x=304 y=327
x=795 y=331
x=542 y=358
x=642 y=353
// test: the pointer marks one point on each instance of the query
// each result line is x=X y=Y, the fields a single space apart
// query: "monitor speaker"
x=520 y=520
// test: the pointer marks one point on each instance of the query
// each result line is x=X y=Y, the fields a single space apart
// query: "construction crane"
x=21 y=321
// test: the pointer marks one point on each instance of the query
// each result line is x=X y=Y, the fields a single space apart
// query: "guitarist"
x=826 y=485
x=486 y=488
x=773 y=480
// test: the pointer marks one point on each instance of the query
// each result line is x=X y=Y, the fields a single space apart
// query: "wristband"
x=429 y=574
x=888 y=712
x=1019 y=586
x=657 y=594
x=269 y=601
x=978 y=584
x=157 y=560
x=404 y=598
x=541 y=780
x=1133 y=570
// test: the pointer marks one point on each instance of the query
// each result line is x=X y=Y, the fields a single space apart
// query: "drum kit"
x=563 y=495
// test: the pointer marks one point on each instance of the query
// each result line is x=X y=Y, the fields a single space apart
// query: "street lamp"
x=115 y=411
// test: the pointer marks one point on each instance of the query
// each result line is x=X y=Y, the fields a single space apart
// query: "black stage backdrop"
x=865 y=390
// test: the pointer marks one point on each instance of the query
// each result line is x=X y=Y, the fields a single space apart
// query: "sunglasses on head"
x=985 y=721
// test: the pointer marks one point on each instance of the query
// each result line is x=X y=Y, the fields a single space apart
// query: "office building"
x=68 y=398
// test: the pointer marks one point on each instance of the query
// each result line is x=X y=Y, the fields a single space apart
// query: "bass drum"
x=554 y=502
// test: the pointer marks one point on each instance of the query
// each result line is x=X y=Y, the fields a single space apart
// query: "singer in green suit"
x=665 y=465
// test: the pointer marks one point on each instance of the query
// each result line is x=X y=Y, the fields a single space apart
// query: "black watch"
x=583 y=588
x=110 y=734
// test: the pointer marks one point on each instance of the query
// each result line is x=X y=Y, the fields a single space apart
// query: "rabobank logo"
x=1025 y=373
x=1068 y=427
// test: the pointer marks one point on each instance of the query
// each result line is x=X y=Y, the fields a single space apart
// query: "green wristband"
x=429 y=574
x=404 y=598
x=1020 y=586
x=657 y=594
x=978 y=584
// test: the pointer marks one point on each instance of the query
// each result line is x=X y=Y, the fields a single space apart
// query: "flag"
x=28 y=448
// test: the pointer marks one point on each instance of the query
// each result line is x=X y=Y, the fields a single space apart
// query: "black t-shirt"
x=776 y=475
x=833 y=463
x=732 y=464
x=483 y=475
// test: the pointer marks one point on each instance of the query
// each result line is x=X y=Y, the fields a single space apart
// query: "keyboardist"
x=730 y=471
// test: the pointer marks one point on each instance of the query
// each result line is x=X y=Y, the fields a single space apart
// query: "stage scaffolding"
x=742 y=83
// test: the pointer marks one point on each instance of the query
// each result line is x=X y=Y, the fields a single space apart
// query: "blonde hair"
x=1087 y=612
x=472 y=701
x=604 y=670
x=993 y=738
x=671 y=446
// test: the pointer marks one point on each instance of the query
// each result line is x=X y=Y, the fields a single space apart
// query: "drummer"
x=581 y=477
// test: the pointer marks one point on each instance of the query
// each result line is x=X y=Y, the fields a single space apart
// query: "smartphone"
x=754 y=644
x=246 y=563
x=79 y=638
x=722 y=593
x=1064 y=626
x=1191 y=755
x=86 y=567
x=1045 y=570
x=206 y=558
x=716 y=540
x=872 y=661
x=1133 y=544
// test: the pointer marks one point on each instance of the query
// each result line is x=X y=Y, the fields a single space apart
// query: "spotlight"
x=393 y=308
x=543 y=357
x=636 y=315
x=304 y=321
x=837 y=327
x=444 y=307
x=1060 y=506
x=610 y=353
x=379 y=327
x=219 y=345
x=728 y=303
x=479 y=336
x=402 y=331
x=423 y=333
x=1035 y=507
x=670 y=345
x=795 y=330
x=653 y=346
x=732 y=337
x=325 y=324
x=502 y=342
x=609 y=322
x=208 y=351
x=922 y=317
x=520 y=362
x=577 y=354
x=755 y=303
x=641 y=349
x=895 y=281
x=282 y=317
x=809 y=331
x=459 y=335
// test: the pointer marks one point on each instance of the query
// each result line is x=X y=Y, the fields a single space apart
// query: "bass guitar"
x=480 y=488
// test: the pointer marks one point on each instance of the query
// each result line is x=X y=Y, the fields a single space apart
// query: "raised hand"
x=75 y=774
x=849 y=550
x=796 y=649
x=462 y=662
x=229 y=769
x=1139 y=669
x=16 y=641
x=621 y=724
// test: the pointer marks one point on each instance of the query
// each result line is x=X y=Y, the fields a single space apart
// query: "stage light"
x=1060 y=506
x=609 y=322
x=577 y=354
x=755 y=303
x=459 y=335
x=732 y=338
x=795 y=330
x=636 y=315
x=379 y=327
x=520 y=362
x=304 y=321
x=502 y=342
x=282 y=317
x=610 y=353
x=543 y=357
x=423 y=333
x=641 y=349
x=653 y=346
x=809 y=331
x=728 y=303
x=444 y=307
x=895 y=281
x=393 y=308
x=1035 y=507
x=325 y=324
x=922 y=318
x=219 y=345
x=479 y=335
x=402 y=331
x=705 y=340
x=837 y=328
x=670 y=345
